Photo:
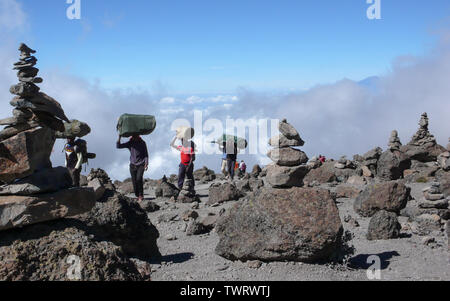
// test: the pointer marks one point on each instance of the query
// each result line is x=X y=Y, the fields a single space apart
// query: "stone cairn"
x=394 y=142
x=289 y=166
x=423 y=135
x=187 y=193
x=33 y=191
x=433 y=198
x=31 y=107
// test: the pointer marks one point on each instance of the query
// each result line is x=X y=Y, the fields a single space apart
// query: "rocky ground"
x=192 y=258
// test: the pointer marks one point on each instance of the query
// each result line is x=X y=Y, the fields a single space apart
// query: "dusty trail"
x=192 y=258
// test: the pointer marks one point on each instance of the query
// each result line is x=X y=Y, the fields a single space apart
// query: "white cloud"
x=343 y=118
x=12 y=16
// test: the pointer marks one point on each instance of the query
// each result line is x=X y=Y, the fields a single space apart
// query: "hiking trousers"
x=75 y=175
x=224 y=167
x=137 y=177
x=231 y=164
x=184 y=172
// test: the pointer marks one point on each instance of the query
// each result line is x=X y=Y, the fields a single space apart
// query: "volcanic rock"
x=20 y=211
x=296 y=224
x=390 y=196
x=25 y=153
x=383 y=225
x=285 y=177
x=44 y=181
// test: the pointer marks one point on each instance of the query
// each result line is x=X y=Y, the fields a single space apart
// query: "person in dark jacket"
x=231 y=149
x=74 y=160
x=138 y=162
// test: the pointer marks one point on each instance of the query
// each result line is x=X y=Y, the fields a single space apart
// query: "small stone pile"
x=289 y=166
x=393 y=162
x=165 y=189
x=394 y=141
x=433 y=198
x=423 y=146
x=187 y=193
x=344 y=163
x=370 y=162
x=34 y=192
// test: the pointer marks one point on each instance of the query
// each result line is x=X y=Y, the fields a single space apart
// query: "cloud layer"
x=343 y=118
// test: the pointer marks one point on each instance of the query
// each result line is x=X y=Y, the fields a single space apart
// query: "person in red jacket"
x=186 y=167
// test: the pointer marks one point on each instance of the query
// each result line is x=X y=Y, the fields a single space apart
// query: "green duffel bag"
x=129 y=125
x=240 y=142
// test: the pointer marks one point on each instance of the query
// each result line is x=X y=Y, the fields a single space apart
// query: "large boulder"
x=120 y=220
x=25 y=153
x=390 y=196
x=323 y=174
x=20 y=211
x=287 y=156
x=383 y=225
x=45 y=181
x=391 y=165
x=221 y=193
x=285 y=177
x=297 y=224
x=52 y=252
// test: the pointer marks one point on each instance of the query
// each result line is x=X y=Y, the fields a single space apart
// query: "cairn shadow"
x=360 y=261
x=174 y=258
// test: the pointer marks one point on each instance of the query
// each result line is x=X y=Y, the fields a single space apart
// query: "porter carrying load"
x=241 y=143
x=129 y=125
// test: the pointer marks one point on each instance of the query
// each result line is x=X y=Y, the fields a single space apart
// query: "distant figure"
x=223 y=168
x=74 y=160
x=186 y=167
x=138 y=162
x=322 y=159
x=232 y=151
x=243 y=167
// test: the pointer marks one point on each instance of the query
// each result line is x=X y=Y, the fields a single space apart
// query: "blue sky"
x=200 y=46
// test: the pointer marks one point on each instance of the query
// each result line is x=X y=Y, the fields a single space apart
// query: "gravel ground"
x=192 y=258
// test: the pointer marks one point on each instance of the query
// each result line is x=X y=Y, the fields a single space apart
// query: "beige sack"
x=184 y=132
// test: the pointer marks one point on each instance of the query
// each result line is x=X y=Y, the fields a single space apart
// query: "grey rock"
x=20 y=211
x=383 y=225
x=297 y=224
x=390 y=196
x=287 y=156
x=45 y=181
x=284 y=176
